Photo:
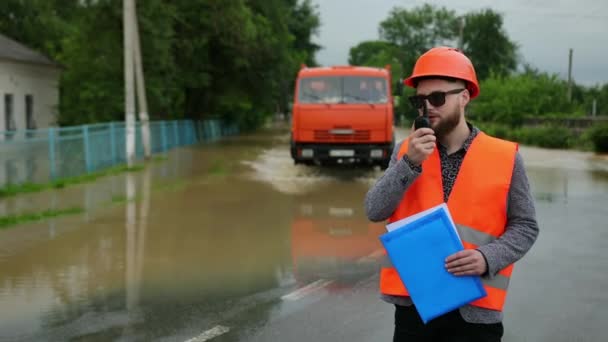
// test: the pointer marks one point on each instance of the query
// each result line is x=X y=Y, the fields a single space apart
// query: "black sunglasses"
x=436 y=98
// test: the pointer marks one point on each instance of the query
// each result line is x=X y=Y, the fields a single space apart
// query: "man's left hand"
x=466 y=262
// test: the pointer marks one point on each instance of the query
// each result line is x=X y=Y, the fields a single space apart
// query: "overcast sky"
x=543 y=29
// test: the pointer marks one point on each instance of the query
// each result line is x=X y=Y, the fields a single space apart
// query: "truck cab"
x=342 y=114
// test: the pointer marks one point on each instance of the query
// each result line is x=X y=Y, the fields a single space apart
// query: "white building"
x=29 y=88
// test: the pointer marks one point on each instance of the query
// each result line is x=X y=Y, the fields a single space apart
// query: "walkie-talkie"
x=422 y=121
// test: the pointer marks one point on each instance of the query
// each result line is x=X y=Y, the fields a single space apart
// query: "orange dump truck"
x=342 y=114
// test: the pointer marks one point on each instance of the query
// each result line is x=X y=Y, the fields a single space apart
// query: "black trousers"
x=450 y=327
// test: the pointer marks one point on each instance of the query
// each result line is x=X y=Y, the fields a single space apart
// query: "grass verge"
x=16 y=189
x=12 y=220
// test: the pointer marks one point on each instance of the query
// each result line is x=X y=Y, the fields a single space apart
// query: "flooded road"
x=232 y=242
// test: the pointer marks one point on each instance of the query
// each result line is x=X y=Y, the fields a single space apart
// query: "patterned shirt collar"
x=467 y=143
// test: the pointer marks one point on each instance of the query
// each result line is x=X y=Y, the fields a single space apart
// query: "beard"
x=446 y=125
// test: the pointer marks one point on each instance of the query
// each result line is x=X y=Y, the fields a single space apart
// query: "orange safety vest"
x=477 y=203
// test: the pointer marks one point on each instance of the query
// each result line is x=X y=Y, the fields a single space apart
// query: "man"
x=483 y=181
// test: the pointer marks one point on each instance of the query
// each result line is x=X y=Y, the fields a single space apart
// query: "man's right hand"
x=421 y=145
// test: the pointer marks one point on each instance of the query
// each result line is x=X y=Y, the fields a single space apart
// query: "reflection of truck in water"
x=342 y=114
x=334 y=243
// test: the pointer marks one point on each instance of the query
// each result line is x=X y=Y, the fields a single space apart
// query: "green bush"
x=545 y=136
x=509 y=100
x=495 y=129
x=582 y=142
x=599 y=138
x=548 y=137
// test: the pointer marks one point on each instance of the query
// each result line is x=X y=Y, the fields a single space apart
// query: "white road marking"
x=209 y=334
x=377 y=254
x=301 y=292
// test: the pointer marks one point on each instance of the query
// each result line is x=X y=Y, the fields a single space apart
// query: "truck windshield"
x=342 y=89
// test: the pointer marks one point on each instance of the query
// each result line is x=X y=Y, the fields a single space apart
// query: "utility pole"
x=461 y=34
x=594 y=108
x=142 y=101
x=570 y=76
x=130 y=213
x=128 y=8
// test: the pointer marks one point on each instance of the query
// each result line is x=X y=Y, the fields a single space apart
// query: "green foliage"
x=548 y=137
x=374 y=53
x=378 y=54
x=587 y=95
x=417 y=30
x=509 y=100
x=404 y=109
x=599 y=138
x=218 y=168
x=303 y=23
x=487 y=44
x=15 y=189
x=496 y=130
x=543 y=136
x=41 y=24
x=582 y=141
x=234 y=60
x=12 y=220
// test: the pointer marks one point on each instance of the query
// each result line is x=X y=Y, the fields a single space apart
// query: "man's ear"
x=466 y=97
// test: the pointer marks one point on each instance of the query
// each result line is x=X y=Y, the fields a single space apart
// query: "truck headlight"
x=307 y=153
x=375 y=153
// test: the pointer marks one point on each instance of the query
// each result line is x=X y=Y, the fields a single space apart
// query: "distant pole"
x=594 y=108
x=142 y=101
x=461 y=34
x=128 y=7
x=53 y=168
x=570 y=76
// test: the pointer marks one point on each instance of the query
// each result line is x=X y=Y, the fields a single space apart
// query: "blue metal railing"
x=43 y=155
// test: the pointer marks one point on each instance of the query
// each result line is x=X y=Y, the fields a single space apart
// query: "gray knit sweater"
x=521 y=231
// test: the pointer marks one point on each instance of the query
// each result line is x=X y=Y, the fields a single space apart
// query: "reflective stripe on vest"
x=477 y=203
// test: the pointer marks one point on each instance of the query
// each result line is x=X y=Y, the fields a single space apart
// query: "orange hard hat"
x=445 y=62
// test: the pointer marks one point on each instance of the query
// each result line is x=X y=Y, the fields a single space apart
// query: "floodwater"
x=232 y=242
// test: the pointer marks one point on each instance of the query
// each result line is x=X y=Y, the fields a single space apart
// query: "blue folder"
x=418 y=250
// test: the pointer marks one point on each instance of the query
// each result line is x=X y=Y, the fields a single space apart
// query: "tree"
x=303 y=24
x=602 y=101
x=92 y=83
x=487 y=44
x=239 y=57
x=41 y=24
x=379 y=54
x=417 y=30
x=596 y=93
x=484 y=39
x=511 y=99
x=368 y=51
x=233 y=60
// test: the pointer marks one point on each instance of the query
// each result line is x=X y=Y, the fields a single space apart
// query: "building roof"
x=12 y=50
